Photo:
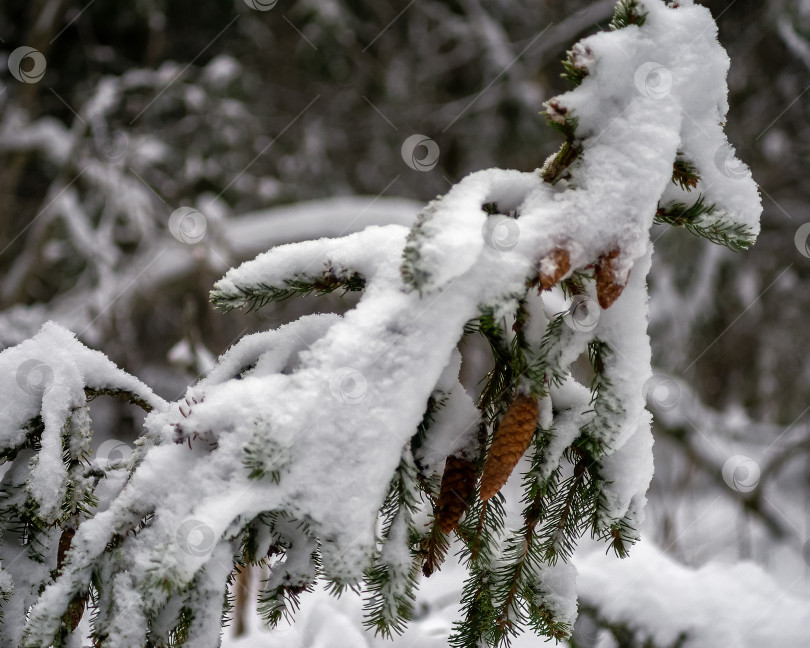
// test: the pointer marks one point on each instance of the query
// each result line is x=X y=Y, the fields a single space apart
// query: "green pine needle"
x=411 y=271
x=573 y=72
x=684 y=174
x=620 y=535
x=261 y=294
x=702 y=219
x=390 y=590
x=627 y=12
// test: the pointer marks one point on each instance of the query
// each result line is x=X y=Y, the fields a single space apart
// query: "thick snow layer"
x=46 y=376
x=651 y=92
x=455 y=424
x=715 y=605
x=313 y=420
x=268 y=352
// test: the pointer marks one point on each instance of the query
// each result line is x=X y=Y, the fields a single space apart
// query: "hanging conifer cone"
x=76 y=608
x=513 y=436
x=553 y=268
x=608 y=284
x=458 y=483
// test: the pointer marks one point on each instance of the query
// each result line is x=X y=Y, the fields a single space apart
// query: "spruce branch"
x=413 y=274
x=292 y=574
x=480 y=532
x=516 y=590
x=550 y=361
x=260 y=294
x=684 y=174
x=391 y=581
x=574 y=71
x=492 y=209
x=623 y=634
x=122 y=394
x=481 y=529
x=703 y=220
x=560 y=119
x=575 y=284
x=620 y=536
x=564 y=492
x=436 y=401
x=569 y=505
x=500 y=381
x=265 y=457
x=600 y=432
x=627 y=12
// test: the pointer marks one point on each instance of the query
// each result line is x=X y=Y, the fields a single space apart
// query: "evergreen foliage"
x=706 y=221
x=513 y=573
x=259 y=295
x=628 y=12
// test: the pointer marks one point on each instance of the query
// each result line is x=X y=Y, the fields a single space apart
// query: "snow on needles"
x=312 y=421
x=46 y=376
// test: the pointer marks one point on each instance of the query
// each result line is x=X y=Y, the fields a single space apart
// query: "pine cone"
x=75 y=609
x=553 y=267
x=65 y=541
x=608 y=284
x=458 y=483
x=75 y=612
x=513 y=436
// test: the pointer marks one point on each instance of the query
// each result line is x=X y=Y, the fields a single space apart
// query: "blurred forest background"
x=240 y=110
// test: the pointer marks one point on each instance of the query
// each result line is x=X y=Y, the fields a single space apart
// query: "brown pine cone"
x=65 y=541
x=75 y=609
x=553 y=267
x=608 y=285
x=75 y=612
x=458 y=483
x=513 y=436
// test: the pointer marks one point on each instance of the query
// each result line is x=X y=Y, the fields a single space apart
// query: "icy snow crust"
x=327 y=404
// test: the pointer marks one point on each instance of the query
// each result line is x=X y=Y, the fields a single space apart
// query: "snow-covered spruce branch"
x=51 y=484
x=345 y=448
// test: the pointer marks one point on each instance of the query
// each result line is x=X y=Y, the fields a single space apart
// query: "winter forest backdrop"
x=165 y=143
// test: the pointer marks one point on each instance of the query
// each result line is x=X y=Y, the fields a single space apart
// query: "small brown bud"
x=609 y=284
x=553 y=267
